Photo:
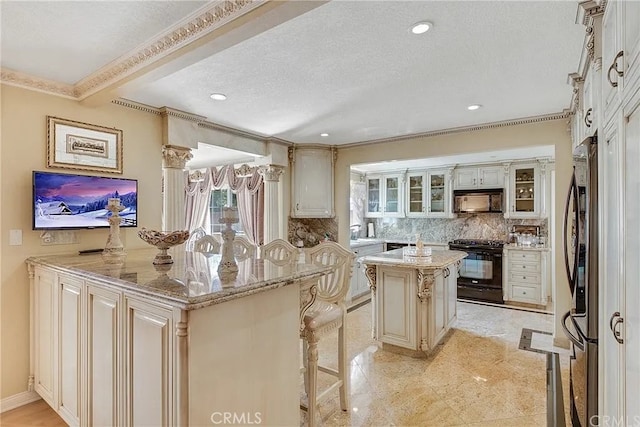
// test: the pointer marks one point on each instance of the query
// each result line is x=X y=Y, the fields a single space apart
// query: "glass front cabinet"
x=428 y=194
x=525 y=191
x=385 y=195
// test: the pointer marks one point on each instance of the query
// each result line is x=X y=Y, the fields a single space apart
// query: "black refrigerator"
x=581 y=262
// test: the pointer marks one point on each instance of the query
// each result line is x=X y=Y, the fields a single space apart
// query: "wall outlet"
x=15 y=237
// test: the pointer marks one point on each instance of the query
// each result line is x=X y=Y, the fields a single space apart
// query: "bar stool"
x=327 y=314
x=279 y=252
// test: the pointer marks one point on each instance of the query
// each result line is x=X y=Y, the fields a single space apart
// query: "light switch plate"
x=15 y=237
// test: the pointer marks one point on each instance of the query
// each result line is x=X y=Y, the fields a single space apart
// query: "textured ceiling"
x=349 y=68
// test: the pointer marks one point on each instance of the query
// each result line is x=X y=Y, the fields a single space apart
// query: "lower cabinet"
x=451 y=285
x=526 y=276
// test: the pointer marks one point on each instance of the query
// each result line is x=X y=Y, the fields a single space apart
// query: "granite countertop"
x=526 y=248
x=372 y=241
x=395 y=258
x=191 y=282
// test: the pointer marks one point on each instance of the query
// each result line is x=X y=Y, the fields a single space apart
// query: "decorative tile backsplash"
x=478 y=226
x=312 y=230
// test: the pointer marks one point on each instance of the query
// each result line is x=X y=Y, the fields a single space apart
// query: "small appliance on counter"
x=525 y=236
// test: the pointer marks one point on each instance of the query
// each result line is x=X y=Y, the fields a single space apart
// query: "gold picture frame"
x=83 y=146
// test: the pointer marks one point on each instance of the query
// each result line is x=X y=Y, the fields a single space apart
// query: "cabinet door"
x=416 y=204
x=438 y=193
x=396 y=306
x=631 y=27
x=611 y=44
x=589 y=113
x=313 y=183
x=70 y=351
x=45 y=335
x=393 y=195
x=524 y=191
x=465 y=178
x=438 y=308
x=451 y=292
x=374 y=196
x=491 y=177
x=104 y=365
x=149 y=343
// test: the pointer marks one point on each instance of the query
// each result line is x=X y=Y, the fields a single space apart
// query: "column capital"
x=175 y=156
x=271 y=172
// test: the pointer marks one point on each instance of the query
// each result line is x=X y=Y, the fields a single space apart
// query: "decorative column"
x=174 y=159
x=271 y=174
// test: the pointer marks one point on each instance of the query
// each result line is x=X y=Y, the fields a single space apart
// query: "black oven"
x=480 y=276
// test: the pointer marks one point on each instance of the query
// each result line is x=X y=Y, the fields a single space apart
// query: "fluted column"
x=271 y=174
x=174 y=159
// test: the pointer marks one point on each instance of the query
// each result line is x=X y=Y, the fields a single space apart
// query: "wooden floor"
x=34 y=414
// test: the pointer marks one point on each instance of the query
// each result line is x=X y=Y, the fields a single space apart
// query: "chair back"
x=243 y=248
x=207 y=244
x=334 y=286
x=194 y=236
x=279 y=252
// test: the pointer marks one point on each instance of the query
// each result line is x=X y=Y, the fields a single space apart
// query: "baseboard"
x=17 y=400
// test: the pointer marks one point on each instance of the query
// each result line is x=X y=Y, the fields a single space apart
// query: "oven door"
x=478 y=268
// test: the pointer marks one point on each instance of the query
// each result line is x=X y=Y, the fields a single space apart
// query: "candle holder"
x=113 y=252
x=228 y=268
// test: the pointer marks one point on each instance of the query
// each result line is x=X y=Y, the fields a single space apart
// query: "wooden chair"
x=279 y=252
x=207 y=245
x=326 y=314
x=243 y=248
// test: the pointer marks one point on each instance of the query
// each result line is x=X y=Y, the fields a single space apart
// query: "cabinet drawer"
x=525 y=293
x=531 y=278
x=521 y=267
x=525 y=256
x=369 y=249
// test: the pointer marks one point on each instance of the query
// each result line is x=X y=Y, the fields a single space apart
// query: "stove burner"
x=479 y=242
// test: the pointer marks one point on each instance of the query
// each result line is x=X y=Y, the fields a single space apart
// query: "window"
x=219 y=199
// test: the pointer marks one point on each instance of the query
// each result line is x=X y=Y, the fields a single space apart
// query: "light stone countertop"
x=526 y=248
x=395 y=258
x=191 y=282
x=372 y=241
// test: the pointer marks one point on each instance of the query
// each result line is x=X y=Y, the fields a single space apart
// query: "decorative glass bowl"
x=163 y=240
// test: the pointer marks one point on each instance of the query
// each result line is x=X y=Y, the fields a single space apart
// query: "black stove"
x=480 y=273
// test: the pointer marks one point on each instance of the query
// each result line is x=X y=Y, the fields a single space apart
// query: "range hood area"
x=478 y=201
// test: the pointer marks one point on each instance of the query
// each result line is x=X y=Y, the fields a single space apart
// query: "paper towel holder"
x=370 y=230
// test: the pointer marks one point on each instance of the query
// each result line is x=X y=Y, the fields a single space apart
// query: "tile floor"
x=478 y=376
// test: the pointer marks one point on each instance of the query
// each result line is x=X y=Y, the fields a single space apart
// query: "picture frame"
x=83 y=146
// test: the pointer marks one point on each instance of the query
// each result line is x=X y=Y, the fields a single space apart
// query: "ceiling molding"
x=213 y=126
x=505 y=123
x=136 y=106
x=167 y=111
x=195 y=26
x=26 y=81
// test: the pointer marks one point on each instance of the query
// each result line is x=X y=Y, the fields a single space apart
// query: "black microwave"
x=475 y=201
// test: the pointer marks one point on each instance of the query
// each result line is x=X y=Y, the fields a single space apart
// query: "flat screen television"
x=68 y=201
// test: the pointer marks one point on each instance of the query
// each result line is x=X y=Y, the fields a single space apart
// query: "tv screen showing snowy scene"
x=65 y=201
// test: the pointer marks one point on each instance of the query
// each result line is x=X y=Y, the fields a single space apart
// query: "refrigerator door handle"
x=573 y=191
x=613 y=325
x=575 y=340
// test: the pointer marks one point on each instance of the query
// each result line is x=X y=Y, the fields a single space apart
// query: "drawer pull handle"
x=524 y=277
x=524 y=292
x=614 y=67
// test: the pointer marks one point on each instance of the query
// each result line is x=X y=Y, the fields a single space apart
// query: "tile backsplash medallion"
x=468 y=226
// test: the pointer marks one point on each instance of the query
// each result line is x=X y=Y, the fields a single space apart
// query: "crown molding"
x=167 y=111
x=493 y=125
x=137 y=106
x=26 y=81
x=197 y=25
x=237 y=132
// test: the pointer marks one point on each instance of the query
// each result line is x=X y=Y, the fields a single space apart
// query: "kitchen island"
x=140 y=344
x=414 y=299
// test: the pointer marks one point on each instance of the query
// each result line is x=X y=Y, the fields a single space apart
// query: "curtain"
x=249 y=190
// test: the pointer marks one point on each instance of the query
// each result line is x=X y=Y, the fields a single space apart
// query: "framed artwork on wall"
x=83 y=146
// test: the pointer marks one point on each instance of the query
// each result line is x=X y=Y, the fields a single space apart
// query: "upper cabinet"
x=467 y=178
x=527 y=191
x=428 y=194
x=620 y=53
x=312 y=182
x=385 y=195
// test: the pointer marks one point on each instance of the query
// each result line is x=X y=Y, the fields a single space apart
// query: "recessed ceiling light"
x=421 y=27
x=218 y=96
x=473 y=107
x=324 y=134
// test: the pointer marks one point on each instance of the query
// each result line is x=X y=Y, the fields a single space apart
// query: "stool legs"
x=312 y=372
x=343 y=366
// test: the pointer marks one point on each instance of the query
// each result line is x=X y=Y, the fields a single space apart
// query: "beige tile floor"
x=477 y=377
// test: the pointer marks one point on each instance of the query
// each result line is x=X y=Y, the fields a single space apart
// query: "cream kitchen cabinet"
x=469 y=178
x=359 y=286
x=526 y=275
x=312 y=182
x=428 y=194
x=526 y=191
x=385 y=195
